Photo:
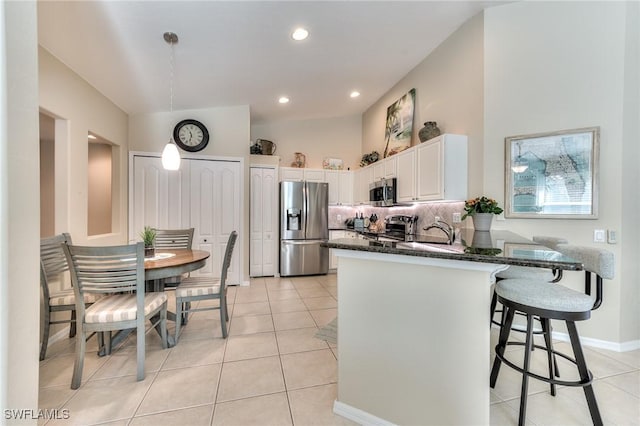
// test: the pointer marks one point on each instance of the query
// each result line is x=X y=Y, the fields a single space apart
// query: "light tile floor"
x=273 y=371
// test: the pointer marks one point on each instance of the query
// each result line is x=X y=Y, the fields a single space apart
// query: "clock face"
x=191 y=135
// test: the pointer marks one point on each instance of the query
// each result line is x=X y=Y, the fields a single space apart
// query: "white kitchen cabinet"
x=263 y=223
x=406 y=184
x=203 y=194
x=334 y=235
x=291 y=174
x=433 y=170
x=333 y=260
x=361 y=185
x=340 y=187
x=314 y=175
x=384 y=169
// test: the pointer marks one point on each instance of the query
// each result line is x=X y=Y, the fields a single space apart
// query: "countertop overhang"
x=497 y=247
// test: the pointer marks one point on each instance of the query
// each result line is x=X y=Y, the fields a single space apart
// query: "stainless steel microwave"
x=383 y=193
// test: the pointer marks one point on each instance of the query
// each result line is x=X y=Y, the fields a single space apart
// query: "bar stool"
x=538 y=298
x=539 y=274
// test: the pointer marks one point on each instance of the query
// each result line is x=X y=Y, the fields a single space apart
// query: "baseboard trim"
x=60 y=335
x=631 y=345
x=357 y=415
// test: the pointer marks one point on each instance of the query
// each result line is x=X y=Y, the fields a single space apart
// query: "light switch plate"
x=598 y=235
x=612 y=236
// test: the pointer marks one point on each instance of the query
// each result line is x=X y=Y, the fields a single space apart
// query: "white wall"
x=630 y=268
x=319 y=138
x=80 y=108
x=19 y=207
x=228 y=136
x=561 y=65
x=100 y=190
x=449 y=90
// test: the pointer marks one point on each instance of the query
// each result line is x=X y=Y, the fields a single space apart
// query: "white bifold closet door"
x=263 y=224
x=203 y=194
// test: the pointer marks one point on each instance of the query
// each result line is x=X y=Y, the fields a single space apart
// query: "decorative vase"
x=149 y=251
x=482 y=221
x=429 y=131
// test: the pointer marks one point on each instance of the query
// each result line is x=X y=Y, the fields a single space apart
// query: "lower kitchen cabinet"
x=263 y=222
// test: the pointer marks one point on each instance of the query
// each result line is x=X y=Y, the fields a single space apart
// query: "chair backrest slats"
x=174 y=238
x=113 y=269
x=228 y=254
x=53 y=262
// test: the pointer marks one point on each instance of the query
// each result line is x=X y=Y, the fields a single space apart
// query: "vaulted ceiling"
x=241 y=52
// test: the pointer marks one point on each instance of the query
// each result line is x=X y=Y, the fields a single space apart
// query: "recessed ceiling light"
x=92 y=137
x=299 y=34
x=355 y=94
x=283 y=100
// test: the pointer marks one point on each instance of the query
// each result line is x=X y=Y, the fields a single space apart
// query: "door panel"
x=160 y=198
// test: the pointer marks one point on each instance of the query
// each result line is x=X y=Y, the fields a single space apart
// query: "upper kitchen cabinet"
x=384 y=169
x=434 y=170
x=291 y=174
x=298 y=175
x=361 y=180
x=340 y=187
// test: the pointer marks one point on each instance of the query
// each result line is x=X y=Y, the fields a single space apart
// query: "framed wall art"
x=399 y=124
x=552 y=175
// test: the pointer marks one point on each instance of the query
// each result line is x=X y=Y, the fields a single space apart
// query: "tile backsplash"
x=426 y=213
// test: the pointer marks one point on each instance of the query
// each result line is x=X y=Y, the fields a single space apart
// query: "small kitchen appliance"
x=382 y=193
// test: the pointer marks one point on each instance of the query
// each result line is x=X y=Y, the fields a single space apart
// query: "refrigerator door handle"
x=305 y=191
x=302 y=242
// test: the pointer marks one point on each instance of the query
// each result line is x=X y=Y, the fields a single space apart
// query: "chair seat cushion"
x=198 y=286
x=544 y=295
x=66 y=297
x=514 y=271
x=122 y=307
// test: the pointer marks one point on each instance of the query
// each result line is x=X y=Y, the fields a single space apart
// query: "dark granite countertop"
x=501 y=247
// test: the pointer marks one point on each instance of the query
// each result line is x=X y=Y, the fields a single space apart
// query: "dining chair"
x=553 y=302
x=53 y=267
x=204 y=288
x=174 y=239
x=116 y=273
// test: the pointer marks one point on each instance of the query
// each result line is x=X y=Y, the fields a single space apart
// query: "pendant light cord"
x=171 y=83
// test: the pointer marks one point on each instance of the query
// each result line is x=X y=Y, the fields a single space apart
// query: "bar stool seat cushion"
x=543 y=295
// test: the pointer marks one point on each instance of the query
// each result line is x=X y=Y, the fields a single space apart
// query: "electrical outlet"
x=598 y=235
x=339 y=217
x=612 y=236
x=457 y=217
x=437 y=219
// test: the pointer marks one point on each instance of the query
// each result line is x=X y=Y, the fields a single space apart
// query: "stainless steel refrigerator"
x=304 y=218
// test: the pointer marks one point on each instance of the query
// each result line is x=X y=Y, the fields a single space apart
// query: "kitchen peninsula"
x=413 y=325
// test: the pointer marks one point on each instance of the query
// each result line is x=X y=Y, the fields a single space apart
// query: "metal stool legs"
x=585 y=376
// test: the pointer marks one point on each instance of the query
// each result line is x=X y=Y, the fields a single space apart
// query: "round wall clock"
x=191 y=135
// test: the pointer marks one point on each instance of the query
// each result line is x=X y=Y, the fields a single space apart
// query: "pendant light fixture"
x=520 y=164
x=170 y=154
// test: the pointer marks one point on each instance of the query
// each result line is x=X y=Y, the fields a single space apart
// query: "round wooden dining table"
x=180 y=262
x=165 y=263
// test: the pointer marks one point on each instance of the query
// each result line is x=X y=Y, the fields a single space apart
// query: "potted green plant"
x=148 y=236
x=481 y=210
